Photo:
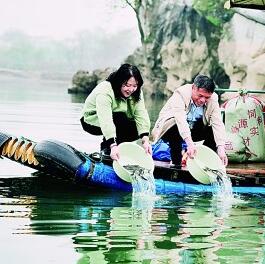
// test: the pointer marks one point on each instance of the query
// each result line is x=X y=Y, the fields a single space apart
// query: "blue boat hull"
x=104 y=175
x=61 y=159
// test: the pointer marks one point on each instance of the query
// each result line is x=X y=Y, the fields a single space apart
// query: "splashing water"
x=143 y=184
x=142 y=179
x=222 y=185
x=223 y=196
x=220 y=182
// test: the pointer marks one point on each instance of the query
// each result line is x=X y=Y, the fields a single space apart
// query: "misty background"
x=65 y=36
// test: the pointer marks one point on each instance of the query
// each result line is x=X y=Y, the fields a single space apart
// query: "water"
x=221 y=183
x=223 y=187
x=143 y=181
x=45 y=221
x=223 y=197
x=144 y=192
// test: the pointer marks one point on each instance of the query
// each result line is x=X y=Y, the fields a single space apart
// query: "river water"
x=44 y=222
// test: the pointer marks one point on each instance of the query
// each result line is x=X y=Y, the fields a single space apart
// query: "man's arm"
x=219 y=131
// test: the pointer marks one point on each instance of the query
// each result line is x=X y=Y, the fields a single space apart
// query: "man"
x=192 y=114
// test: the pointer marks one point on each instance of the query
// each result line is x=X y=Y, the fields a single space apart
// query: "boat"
x=65 y=163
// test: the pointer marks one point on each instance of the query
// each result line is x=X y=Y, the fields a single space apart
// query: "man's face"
x=200 y=96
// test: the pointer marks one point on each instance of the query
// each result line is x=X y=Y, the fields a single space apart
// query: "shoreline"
x=39 y=75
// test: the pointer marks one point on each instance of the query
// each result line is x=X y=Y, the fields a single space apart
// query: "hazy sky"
x=63 y=18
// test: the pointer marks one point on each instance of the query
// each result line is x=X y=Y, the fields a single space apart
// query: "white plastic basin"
x=131 y=154
x=206 y=161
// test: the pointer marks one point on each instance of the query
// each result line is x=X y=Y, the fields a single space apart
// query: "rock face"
x=180 y=43
x=84 y=81
x=242 y=52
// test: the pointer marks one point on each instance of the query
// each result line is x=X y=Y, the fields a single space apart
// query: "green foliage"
x=213 y=11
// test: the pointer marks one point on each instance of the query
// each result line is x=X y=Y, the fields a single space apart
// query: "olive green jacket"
x=175 y=112
x=101 y=103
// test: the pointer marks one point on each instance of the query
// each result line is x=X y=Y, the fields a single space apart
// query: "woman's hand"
x=114 y=152
x=146 y=145
x=221 y=153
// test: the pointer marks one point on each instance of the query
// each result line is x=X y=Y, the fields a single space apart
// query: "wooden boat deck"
x=246 y=174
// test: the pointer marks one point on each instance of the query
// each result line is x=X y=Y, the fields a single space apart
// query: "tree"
x=213 y=11
x=136 y=5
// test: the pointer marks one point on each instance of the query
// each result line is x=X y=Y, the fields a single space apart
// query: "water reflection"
x=104 y=226
x=131 y=237
x=229 y=238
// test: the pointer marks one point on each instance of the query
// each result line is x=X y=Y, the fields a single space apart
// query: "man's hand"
x=221 y=153
x=191 y=149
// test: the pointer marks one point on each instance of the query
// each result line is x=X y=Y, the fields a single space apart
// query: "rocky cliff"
x=242 y=50
x=181 y=43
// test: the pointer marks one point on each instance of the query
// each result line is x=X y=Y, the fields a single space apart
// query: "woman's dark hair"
x=121 y=76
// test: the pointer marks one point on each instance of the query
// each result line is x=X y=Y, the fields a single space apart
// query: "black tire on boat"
x=3 y=139
x=58 y=157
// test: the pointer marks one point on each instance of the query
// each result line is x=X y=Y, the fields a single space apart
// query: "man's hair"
x=121 y=76
x=204 y=82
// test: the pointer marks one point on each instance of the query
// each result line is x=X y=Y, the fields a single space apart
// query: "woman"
x=116 y=109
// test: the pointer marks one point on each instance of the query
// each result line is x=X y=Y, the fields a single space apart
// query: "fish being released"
x=142 y=179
